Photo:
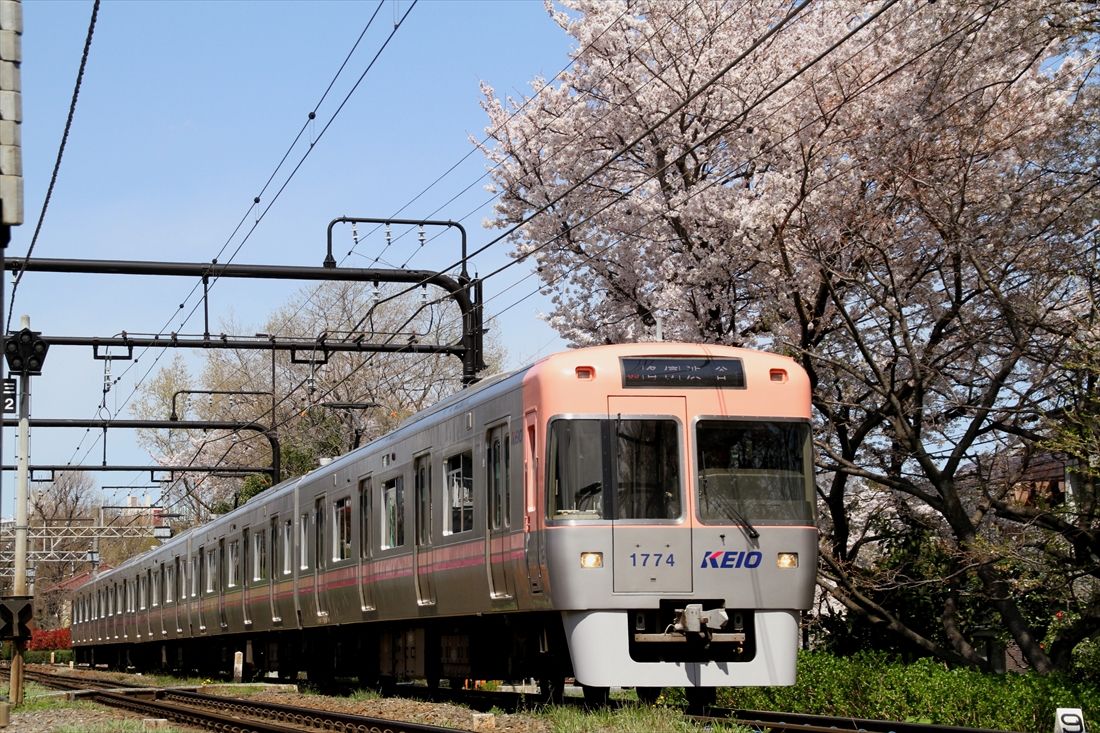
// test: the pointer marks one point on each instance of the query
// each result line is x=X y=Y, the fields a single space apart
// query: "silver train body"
x=633 y=515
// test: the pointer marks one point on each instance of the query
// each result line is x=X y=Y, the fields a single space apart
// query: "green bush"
x=870 y=685
x=61 y=656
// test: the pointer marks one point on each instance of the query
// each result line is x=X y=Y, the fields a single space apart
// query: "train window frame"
x=303 y=542
x=169 y=583
x=259 y=555
x=392 y=513
x=342 y=525
x=808 y=489
x=154 y=588
x=211 y=570
x=455 y=495
x=498 y=489
x=194 y=573
x=365 y=492
x=233 y=562
x=319 y=533
x=605 y=507
x=422 y=497
x=287 y=531
x=143 y=590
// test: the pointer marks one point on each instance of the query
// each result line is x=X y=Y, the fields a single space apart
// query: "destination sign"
x=689 y=372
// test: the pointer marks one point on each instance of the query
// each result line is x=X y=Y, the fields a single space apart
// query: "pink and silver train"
x=633 y=515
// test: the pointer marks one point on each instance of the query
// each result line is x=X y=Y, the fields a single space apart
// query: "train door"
x=645 y=441
x=422 y=501
x=320 y=558
x=532 y=533
x=366 y=602
x=498 y=514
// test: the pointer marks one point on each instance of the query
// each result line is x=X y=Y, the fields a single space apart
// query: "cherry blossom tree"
x=905 y=202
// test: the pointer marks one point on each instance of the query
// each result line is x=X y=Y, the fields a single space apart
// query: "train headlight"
x=787 y=560
x=591 y=559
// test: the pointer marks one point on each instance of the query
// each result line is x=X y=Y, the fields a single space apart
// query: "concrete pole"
x=20 y=582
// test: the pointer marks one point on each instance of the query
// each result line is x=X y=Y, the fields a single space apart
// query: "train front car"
x=679 y=512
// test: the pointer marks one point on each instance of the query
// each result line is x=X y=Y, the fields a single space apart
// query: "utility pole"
x=25 y=353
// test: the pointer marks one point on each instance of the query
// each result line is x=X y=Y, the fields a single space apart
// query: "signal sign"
x=9 y=396
x=25 y=351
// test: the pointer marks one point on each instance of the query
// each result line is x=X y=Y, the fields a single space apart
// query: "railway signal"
x=25 y=352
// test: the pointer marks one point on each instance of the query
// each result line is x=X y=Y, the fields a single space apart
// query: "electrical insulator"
x=355 y=235
x=423 y=293
x=389 y=238
x=421 y=235
x=376 y=296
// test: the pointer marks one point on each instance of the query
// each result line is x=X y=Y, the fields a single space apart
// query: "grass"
x=627 y=719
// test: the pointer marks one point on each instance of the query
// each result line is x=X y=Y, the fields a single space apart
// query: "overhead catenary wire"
x=256 y=200
x=800 y=71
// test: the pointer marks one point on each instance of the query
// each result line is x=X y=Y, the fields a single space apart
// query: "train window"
x=303 y=543
x=341 y=529
x=129 y=596
x=143 y=591
x=211 y=569
x=499 y=496
x=319 y=533
x=393 y=513
x=288 y=547
x=640 y=459
x=646 y=469
x=259 y=555
x=458 y=495
x=194 y=576
x=422 y=488
x=364 y=516
x=155 y=588
x=169 y=583
x=234 y=562
x=754 y=471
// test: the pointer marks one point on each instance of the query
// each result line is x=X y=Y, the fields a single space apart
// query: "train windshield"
x=639 y=460
x=760 y=471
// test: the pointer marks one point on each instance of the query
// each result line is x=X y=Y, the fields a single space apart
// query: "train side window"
x=233 y=561
x=393 y=513
x=422 y=488
x=458 y=493
x=195 y=575
x=246 y=556
x=303 y=543
x=499 y=496
x=169 y=583
x=319 y=533
x=341 y=529
x=288 y=547
x=259 y=555
x=143 y=588
x=211 y=569
x=364 y=517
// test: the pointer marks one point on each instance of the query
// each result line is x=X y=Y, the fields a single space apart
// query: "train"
x=633 y=515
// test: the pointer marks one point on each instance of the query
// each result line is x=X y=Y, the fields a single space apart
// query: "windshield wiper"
x=746 y=525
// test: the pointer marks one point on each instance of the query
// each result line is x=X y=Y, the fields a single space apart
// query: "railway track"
x=219 y=713
x=235 y=714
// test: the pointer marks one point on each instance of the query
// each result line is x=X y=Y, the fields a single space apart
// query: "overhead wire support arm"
x=461 y=290
x=274 y=470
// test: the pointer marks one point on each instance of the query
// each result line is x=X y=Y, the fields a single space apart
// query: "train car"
x=628 y=515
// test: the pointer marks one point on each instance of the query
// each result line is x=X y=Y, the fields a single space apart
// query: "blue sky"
x=184 y=112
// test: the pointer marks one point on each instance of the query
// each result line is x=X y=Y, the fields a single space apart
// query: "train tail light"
x=787 y=560
x=591 y=559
